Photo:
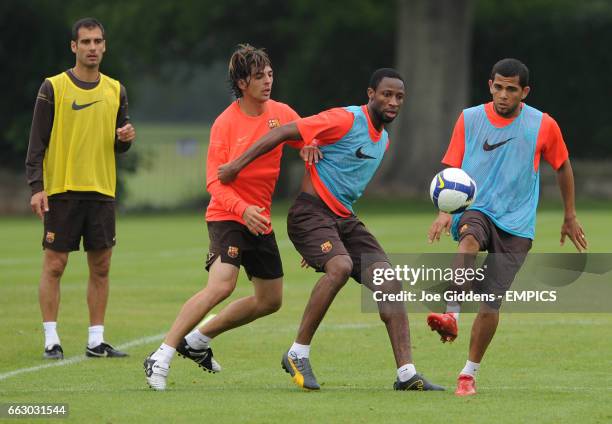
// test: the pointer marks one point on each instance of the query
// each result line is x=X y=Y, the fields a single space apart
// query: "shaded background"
x=172 y=58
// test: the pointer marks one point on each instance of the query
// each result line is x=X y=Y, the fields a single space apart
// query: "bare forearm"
x=571 y=227
x=267 y=143
x=565 y=179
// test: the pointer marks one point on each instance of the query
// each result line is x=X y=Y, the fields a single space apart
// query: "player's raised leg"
x=266 y=300
x=221 y=283
x=446 y=324
x=263 y=265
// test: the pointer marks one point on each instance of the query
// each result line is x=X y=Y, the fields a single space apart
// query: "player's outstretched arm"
x=571 y=227
x=441 y=223
x=228 y=172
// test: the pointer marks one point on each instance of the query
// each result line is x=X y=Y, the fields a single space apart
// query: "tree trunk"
x=433 y=55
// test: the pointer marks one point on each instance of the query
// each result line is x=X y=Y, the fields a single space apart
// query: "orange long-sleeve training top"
x=231 y=134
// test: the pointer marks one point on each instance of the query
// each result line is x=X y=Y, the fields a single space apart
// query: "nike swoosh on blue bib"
x=488 y=147
x=362 y=155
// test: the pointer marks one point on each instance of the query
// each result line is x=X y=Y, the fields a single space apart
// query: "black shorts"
x=319 y=234
x=70 y=219
x=236 y=245
x=508 y=253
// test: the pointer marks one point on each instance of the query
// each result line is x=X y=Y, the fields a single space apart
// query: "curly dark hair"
x=243 y=62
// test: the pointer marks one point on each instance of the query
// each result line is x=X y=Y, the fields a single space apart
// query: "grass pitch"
x=540 y=367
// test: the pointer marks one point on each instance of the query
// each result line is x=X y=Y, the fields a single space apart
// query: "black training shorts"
x=319 y=234
x=236 y=245
x=508 y=253
x=70 y=219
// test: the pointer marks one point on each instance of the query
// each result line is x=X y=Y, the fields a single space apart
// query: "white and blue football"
x=452 y=190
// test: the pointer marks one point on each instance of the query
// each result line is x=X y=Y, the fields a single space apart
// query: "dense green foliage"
x=323 y=52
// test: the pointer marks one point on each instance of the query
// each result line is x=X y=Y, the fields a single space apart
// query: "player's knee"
x=221 y=292
x=489 y=312
x=99 y=268
x=388 y=311
x=469 y=244
x=271 y=304
x=100 y=273
x=55 y=266
x=276 y=303
x=385 y=316
x=339 y=269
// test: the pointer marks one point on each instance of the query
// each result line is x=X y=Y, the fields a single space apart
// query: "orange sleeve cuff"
x=327 y=127
x=239 y=208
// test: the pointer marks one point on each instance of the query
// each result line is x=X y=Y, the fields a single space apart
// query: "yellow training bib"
x=81 y=155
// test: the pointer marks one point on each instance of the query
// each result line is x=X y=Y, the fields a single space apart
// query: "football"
x=452 y=190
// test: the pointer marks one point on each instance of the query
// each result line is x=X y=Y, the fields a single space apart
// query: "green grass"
x=540 y=368
x=168 y=175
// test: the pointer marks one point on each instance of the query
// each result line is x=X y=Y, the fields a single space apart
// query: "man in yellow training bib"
x=80 y=122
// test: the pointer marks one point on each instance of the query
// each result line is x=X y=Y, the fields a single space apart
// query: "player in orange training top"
x=238 y=219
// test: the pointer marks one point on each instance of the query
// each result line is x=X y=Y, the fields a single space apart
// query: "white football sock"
x=300 y=350
x=453 y=308
x=197 y=340
x=96 y=336
x=406 y=372
x=51 y=337
x=471 y=368
x=164 y=354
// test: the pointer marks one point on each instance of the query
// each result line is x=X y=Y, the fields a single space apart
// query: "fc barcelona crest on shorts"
x=273 y=123
x=463 y=228
x=50 y=237
x=326 y=247
x=232 y=252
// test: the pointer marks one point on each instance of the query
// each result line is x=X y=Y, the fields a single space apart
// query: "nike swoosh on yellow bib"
x=76 y=106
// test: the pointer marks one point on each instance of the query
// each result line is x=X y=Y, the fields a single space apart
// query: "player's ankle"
x=164 y=353
x=470 y=368
x=406 y=372
x=300 y=350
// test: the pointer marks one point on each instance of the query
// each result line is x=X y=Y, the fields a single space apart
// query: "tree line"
x=324 y=52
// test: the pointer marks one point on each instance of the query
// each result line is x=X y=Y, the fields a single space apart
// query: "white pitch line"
x=144 y=340
x=149 y=339
x=79 y=358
